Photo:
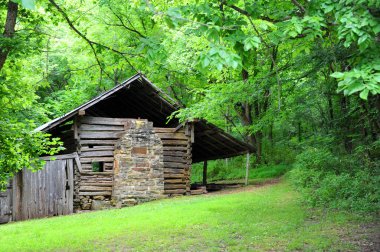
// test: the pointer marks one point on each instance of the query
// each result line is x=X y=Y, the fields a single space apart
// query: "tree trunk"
x=270 y=135
x=299 y=132
x=347 y=140
x=259 y=137
x=331 y=111
x=9 y=30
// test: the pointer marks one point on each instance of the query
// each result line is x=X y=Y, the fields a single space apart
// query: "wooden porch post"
x=247 y=170
x=204 y=173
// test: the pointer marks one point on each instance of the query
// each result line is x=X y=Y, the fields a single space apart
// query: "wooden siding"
x=6 y=205
x=97 y=137
x=46 y=192
x=177 y=160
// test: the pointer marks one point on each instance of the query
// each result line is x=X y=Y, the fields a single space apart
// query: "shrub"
x=343 y=182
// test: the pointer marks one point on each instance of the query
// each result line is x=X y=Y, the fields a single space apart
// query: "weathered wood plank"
x=167 y=130
x=175 y=159
x=173 y=175
x=59 y=157
x=175 y=153
x=176 y=171
x=103 y=193
x=70 y=193
x=96 y=159
x=174 y=186
x=175 y=148
x=96 y=127
x=96 y=148
x=6 y=205
x=78 y=163
x=179 y=136
x=104 y=120
x=94 y=188
x=96 y=153
x=83 y=142
x=175 y=165
x=100 y=134
x=174 y=181
x=98 y=173
x=175 y=191
x=174 y=142
x=99 y=184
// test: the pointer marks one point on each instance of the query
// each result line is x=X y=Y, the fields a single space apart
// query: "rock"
x=100 y=205
x=86 y=206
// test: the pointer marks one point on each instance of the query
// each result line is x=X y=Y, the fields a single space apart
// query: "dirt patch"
x=246 y=188
x=366 y=237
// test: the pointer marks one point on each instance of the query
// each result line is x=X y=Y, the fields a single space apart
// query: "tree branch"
x=90 y=42
x=300 y=7
x=123 y=24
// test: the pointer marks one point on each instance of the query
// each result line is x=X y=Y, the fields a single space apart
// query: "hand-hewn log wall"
x=97 y=137
x=177 y=160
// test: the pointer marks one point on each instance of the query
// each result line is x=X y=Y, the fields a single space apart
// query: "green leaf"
x=205 y=61
x=355 y=87
x=293 y=34
x=337 y=75
x=364 y=94
x=362 y=39
x=376 y=77
x=251 y=42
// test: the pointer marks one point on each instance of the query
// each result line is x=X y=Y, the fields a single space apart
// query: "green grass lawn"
x=266 y=218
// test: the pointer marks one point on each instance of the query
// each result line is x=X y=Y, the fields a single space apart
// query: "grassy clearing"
x=265 y=218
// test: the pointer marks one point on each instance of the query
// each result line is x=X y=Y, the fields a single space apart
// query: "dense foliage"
x=347 y=182
x=287 y=77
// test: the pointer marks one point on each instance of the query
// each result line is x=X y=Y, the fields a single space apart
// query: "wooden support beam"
x=178 y=127
x=204 y=173
x=77 y=161
x=247 y=170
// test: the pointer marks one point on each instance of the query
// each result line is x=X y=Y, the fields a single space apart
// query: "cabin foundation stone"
x=138 y=166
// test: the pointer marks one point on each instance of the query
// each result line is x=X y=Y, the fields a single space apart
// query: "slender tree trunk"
x=331 y=110
x=9 y=30
x=299 y=132
x=270 y=134
x=259 y=137
x=347 y=140
x=245 y=114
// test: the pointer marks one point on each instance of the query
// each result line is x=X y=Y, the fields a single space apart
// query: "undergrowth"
x=235 y=168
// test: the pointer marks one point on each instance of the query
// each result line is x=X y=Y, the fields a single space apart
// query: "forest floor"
x=268 y=217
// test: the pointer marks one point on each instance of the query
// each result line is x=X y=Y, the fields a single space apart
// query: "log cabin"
x=120 y=150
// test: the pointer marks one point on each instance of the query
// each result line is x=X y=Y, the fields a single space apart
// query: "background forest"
x=299 y=80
